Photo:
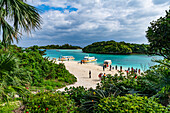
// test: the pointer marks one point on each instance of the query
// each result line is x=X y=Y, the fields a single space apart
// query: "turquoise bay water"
x=137 y=61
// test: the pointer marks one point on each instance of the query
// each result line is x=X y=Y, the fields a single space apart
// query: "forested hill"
x=65 y=46
x=112 y=47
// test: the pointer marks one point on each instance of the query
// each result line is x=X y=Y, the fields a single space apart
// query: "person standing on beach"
x=116 y=67
x=121 y=68
x=103 y=67
x=89 y=74
x=139 y=71
x=110 y=67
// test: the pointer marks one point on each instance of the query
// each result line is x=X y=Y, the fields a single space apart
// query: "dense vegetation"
x=115 y=94
x=158 y=34
x=65 y=46
x=26 y=70
x=112 y=47
x=50 y=102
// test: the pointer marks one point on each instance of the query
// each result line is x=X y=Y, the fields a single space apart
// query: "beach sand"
x=81 y=72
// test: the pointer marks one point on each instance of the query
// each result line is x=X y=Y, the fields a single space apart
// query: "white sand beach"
x=81 y=72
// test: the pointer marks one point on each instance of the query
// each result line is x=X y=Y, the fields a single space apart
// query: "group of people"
x=116 y=68
x=135 y=71
x=106 y=66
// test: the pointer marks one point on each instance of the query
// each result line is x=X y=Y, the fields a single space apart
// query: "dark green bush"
x=129 y=104
x=48 y=87
x=48 y=102
x=60 y=79
x=76 y=93
x=43 y=70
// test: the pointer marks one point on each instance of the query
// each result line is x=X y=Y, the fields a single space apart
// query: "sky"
x=82 y=22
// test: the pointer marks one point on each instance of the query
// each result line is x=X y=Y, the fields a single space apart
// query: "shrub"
x=48 y=87
x=60 y=79
x=129 y=104
x=76 y=93
x=8 y=108
x=49 y=102
x=42 y=70
x=59 y=84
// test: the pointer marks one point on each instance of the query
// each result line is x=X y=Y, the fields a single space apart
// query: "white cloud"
x=87 y=26
x=98 y=19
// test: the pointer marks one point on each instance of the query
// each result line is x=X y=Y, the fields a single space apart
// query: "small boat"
x=87 y=58
x=66 y=58
x=107 y=62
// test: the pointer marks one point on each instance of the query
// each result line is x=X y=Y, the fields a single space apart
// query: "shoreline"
x=117 y=53
x=81 y=72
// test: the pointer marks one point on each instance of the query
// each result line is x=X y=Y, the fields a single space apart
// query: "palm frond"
x=24 y=17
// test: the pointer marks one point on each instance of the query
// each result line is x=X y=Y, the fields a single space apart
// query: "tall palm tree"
x=24 y=17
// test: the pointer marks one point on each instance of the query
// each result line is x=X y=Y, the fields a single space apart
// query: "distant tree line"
x=112 y=47
x=65 y=46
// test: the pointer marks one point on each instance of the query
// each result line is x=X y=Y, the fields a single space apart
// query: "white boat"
x=87 y=58
x=66 y=58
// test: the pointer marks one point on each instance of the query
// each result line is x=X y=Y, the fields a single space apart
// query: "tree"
x=158 y=35
x=24 y=17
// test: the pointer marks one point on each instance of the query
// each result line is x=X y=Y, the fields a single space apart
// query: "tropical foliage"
x=49 y=102
x=112 y=47
x=23 y=17
x=12 y=78
x=111 y=94
x=42 y=70
x=25 y=70
x=65 y=46
x=158 y=35
x=129 y=104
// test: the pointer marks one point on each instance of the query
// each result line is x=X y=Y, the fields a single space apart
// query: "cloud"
x=94 y=20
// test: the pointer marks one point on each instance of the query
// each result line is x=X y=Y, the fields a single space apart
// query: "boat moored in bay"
x=87 y=58
x=66 y=58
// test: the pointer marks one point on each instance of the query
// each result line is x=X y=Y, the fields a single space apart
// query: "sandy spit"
x=81 y=72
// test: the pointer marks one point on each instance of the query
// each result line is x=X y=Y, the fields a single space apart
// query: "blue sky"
x=82 y=22
x=45 y=8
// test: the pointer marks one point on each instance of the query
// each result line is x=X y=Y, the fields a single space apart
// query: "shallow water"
x=137 y=61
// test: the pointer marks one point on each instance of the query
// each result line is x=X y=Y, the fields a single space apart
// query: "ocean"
x=136 y=60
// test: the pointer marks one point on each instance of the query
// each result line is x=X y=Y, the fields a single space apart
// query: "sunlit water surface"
x=137 y=61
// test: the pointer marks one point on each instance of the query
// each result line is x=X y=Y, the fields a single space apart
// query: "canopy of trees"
x=65 y=46
x=112 y=47
x=158 y=35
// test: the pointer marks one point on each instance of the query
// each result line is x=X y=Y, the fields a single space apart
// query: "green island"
x=65 y=46
x=112 y=47
x=28 y=81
